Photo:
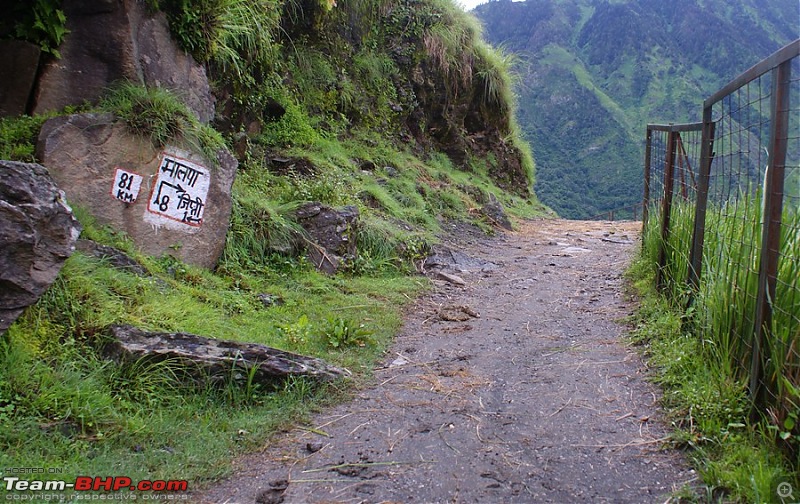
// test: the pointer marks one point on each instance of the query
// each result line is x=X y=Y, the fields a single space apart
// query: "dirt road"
x=516 y=387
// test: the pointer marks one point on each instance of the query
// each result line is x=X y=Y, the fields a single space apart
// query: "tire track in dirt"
x=536 y=400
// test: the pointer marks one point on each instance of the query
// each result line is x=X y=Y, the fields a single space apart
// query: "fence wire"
x=734 y=219
x=747 y=253
x=674 y=163
x=786 y=306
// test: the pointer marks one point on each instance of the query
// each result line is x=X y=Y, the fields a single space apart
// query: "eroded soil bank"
x=537 y=399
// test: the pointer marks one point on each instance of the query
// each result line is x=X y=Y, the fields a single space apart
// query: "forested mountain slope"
x=594 y=73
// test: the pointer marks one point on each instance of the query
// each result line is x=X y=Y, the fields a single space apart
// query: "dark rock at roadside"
x=331 y=234
x=19 y=61
x=37 y=232
x=206 y=360
x=494 y=211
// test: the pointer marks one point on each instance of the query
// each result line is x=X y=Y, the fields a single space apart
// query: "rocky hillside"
x=289 y=73
x=316 y=94
x=593 y=73
x=267 y=172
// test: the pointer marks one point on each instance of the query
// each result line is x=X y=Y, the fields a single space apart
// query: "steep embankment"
x=396 y=108
x=312 y=97
x=594 y=73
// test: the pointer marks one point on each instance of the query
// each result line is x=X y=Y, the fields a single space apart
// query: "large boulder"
x=37 y=232
x=18 y=63
x=163 y=64
x=112 y=40
x=170 y=201
x=331 y=232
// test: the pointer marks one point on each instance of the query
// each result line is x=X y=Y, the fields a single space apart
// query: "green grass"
x=18 y=135
x=235 y=36
x=322 y=86
x=451 y=43
x=159 y=115
x=62 y=405
x=703 y=355
x=724 y=306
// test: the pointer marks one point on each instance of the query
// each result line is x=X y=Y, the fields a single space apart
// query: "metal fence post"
x=698 y=236
x=646 y=196
x=771 y=233
x=666 y=211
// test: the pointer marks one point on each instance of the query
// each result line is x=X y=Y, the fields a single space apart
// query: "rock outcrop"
x=206 y=359
x=493 y=210
x=114 y=40
x=169 y=201
x=37 y=232
x=18 y=63
x=331 y=233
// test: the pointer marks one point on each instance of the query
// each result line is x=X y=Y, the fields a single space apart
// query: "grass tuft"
x=159 y=115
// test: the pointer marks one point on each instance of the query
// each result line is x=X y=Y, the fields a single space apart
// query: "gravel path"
x=537 y=399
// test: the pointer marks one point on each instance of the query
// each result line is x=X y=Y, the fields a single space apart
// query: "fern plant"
x=41 y=22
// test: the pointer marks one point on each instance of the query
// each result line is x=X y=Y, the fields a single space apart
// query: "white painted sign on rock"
x=179 y=192
x=126 y=185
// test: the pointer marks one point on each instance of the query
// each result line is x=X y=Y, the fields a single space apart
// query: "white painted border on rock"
x=178 y=193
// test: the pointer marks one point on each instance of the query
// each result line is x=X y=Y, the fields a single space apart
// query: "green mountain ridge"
x=594 y=73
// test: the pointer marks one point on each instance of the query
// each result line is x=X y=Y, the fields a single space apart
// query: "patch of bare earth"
x=517 y=387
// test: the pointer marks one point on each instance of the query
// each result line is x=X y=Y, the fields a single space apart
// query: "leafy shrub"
x=340 y=333
x=297 y=333
x=41 y=22
x=292 y=129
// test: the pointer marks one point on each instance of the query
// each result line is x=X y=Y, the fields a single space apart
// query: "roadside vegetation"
x=319 y=85
x=702 y=355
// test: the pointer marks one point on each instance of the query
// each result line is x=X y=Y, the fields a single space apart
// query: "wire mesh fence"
x=722 y=216
x=785 y=323
x=629 y=212
x=670 y=192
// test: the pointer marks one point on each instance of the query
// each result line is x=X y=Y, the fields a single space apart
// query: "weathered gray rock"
x=332 y=234
x=37 y=233
x=114 y=40
x=182 y=210
x=443 y=257
x=206 y=359
x=18 y=63
x=164 y=64
x=494 y=211
x=114 y=256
